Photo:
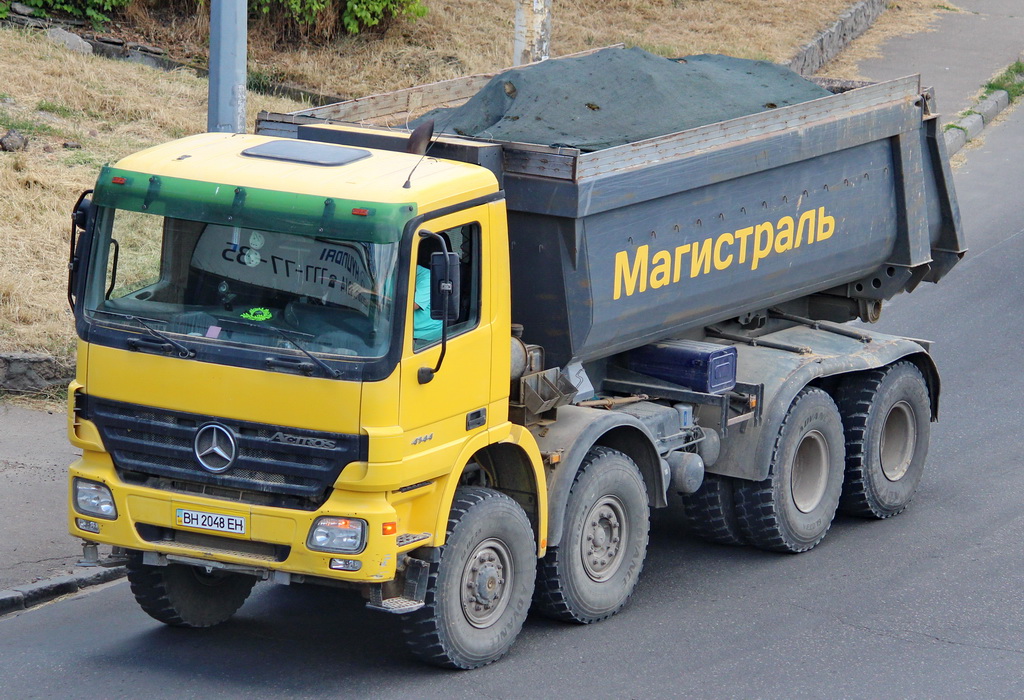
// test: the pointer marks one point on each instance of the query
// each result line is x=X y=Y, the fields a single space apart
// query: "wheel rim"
x=604 y=531
x=810 y=471
x=899 y=439
x=486 y=579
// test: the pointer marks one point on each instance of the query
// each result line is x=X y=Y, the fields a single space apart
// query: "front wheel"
x=479 y=591
x=592 y=573
x=187 y=596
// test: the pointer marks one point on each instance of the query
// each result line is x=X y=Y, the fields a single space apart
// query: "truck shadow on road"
x=304 y=639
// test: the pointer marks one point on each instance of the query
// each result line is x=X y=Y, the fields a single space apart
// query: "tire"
x=479 y=591
x=187 y=596
x=793 y=508
x=580 y=581
x=710 y=513
x=887 y=419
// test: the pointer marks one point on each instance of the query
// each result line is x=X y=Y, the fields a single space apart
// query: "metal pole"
x=532 y=39
x=228 y=50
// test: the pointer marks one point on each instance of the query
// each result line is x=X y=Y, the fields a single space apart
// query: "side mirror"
x=444 y=286
x=79 y=222
x=82 y=213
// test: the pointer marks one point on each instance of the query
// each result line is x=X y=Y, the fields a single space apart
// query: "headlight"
x=346 y=535
x=94 y=499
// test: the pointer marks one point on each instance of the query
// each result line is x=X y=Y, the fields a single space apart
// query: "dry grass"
x=462 y=37
x=113 y=108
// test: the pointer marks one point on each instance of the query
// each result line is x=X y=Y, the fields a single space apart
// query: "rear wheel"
x=710 y=513
x=793 y=508
x=187 y=596
x=886 y=416
x=592 y=573
x=479 y=591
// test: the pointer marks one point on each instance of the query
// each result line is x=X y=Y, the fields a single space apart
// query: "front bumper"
x=275 y=538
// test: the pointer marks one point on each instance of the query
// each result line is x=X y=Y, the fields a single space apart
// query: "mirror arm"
x=425 y=374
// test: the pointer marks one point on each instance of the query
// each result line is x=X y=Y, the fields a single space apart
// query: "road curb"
x=974 y=120
x=32 y=594
x=958 y=133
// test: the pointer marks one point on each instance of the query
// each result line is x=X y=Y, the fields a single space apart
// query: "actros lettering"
x=300 y=440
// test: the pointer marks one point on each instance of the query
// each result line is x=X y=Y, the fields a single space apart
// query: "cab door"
x=439 y=416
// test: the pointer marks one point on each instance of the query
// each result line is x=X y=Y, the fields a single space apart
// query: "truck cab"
x=254 y=385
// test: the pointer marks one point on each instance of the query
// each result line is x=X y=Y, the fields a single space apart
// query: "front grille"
x=146 y=442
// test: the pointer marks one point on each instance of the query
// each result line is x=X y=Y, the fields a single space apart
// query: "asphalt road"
x=928 y=604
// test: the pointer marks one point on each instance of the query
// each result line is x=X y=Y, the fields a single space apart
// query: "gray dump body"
x=660 y=238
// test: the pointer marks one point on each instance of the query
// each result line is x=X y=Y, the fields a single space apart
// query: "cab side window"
x=465 y=242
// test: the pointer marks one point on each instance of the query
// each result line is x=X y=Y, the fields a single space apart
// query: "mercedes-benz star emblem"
x=215 y=448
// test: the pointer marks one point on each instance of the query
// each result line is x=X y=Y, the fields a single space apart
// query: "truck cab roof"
x=319 y=169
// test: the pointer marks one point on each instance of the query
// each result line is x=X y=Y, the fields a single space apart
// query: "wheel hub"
x=810 y=471
x=603 y=532
x=899 y=440
x=485 y=581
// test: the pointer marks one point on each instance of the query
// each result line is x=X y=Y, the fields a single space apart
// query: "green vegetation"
x=25 y=126
x=56 y=108
x=90 y=160
x=95 y=11
x=1011 y=80
x=263 y=82
x=359 y=14
x=319 y=19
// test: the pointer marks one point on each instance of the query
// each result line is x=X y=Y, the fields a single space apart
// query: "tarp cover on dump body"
x=618 y=96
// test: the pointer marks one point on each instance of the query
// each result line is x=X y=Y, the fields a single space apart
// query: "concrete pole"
x=532 y=40
x=228 y=51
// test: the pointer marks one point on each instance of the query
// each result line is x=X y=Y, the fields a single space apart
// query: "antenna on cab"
x=419 y=142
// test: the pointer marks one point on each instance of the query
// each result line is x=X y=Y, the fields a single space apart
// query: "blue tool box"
x=704 y=367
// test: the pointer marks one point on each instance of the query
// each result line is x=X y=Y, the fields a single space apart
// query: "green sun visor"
x=250 y=207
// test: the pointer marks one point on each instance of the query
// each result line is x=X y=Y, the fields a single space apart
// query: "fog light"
x=346 y=565
x=87 y=525
x=94 y=499
x=344 y=535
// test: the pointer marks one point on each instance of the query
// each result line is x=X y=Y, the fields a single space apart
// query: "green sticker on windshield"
x=257 y=313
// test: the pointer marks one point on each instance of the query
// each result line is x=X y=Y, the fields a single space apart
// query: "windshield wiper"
x=331 y=372
x=184 y=352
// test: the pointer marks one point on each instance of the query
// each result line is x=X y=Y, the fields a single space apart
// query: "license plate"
x=210 y=521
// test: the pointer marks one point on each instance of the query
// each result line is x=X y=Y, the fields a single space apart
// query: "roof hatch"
x=307 y=153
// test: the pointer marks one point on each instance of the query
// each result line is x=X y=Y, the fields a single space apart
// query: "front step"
x=399 y=605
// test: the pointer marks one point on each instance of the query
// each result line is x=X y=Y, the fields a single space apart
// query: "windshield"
x=249 y=286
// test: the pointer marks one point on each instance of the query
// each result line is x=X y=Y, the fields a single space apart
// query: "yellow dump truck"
x=456 y=373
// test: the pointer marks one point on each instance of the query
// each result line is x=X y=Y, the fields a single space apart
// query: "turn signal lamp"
x=388 y=528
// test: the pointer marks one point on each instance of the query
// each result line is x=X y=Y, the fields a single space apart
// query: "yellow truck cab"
x=244 y=352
